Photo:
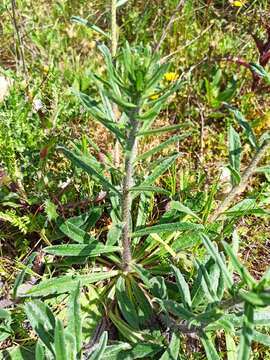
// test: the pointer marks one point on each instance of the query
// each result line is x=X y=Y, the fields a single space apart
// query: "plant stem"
x=114 y=27
x=20 y=43
x=114 y=44
x=130 y=155
x=243 y=183
x=169 y=25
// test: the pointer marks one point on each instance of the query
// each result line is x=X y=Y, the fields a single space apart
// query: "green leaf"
x=260 y=70
x=241 y=269
x=263 y=169
x=90 y=25
x=261 y=338
x=4 y=314
x=39 y=351
x=231 y=348
x=127 y=331
x=159 y=170
x=183 y=288
x=42 y=321
x=245 y=125
x=173 y=350
x=165 y=228
x=177 y=205
x=81 y=162
x=154 y=189
x=76 y=234
x=51 y=210
x=257 y=299
x=98 y=353
x=100 y=115
x=176 y=309
x=91 y=250
x=114 y=352
x=234 y=152
x=145 y=310
x=161 y=146
x=246 y=333
x=159 y=130
x=74 y=317
x=125 y=304
x=20 y=277
x=114 y=234
x=59 y=341
x=158 y=287
x=64 y=284
x=216 y=256
x=209 y=347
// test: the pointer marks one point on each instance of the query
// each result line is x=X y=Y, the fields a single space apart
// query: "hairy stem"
x=116 y=155
x=130 y=155
x=243 y=183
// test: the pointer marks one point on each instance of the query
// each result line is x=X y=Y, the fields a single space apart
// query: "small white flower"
x=4 y=87
x=37 y=105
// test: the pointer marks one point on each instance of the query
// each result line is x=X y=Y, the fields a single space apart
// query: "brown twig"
x=169 y=25
x=18 y=34
x=250 y=170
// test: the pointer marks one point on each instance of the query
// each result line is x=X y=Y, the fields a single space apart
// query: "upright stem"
x=130 y=155
x=18 y=34
x=114 y=27
x=114 y=44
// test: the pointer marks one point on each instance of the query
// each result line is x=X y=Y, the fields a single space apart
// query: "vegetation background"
x=45 y=57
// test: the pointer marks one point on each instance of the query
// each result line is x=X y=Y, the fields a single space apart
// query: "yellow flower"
x=171 y=76
x=238 y=3
x=154 y=97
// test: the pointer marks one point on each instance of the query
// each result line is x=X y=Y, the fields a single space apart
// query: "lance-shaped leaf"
x=160 y=130
x=173 y=350
x=153 y=189
x=163 y=228
x=125 y=304
x=81 y=162
x=234 y=153
x=246 y=333
x=20 y=277
x=209 y=347
x=39 y=351
x=90 y=25
x=100 y=115
x=177 y=205
x=161 y=146
x=260 y=70
x=90 y=250
x=59 y=341
x=245 y=125
x=261 y=338
x=74 y=317
x=98 y=353
x=261 y=298
x=183 y=288
x=159 y=170
x=212 y=250
x=42 y=321
x=241 y=269
x=64 y=284
x=76 y=234
x=127 y=331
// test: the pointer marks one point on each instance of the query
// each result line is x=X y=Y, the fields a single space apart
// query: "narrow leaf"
x=90 y=25
x=64 y=284
x=173 y=350
x=90 y=250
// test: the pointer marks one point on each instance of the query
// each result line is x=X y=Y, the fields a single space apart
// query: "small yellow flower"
x=154 y=97
x=238 y=3
x=171 y=76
